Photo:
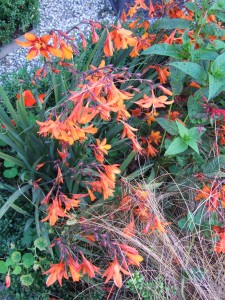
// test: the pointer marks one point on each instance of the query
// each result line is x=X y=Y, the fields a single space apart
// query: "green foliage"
x=154 y=289
x=17 y=17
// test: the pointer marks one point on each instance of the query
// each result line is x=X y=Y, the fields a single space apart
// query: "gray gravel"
x=59 y=14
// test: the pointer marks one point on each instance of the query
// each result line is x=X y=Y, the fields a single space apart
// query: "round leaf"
x=3 y=267
x=28 y=260
x=8 y=164
x=16 y=256
x=9 y=262
x=26 y=280
x=40 y=243
x=17 y=270
x=10 y=173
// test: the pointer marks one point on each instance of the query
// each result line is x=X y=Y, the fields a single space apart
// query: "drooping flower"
x=74 y=268
x=88 y=268
x=114 y=271
x=108 y=45
x=57 y=272
x=153 y=101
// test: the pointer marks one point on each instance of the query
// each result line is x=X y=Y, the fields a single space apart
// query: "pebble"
x=61 y=15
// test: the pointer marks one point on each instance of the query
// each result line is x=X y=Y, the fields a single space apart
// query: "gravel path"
x=58 y=14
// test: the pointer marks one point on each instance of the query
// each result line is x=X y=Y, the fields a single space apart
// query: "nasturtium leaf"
x=9 y=262
x=16 y=256
x=26 y=280
x=28 y=260
x=10 y=173
x=3 y=267
x=40 y=243
x=17 y=270
x=8 y=164
x=177 y=146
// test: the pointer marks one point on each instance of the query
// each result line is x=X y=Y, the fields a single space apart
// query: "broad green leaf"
x=10 y=173
x=215 y=86
x=218 y=66
x=218 y=5
x=196 y=132
x=40 y=243
x=202 y=54
x=28 y=260
x=176 y=79
x=165 y=50
x=13 y=198
x=17 y=270
x=183 y=131
x=3 y=267
x=193 y=144
x=9 y=262
x=212 y=29
x=195 y=109
x=168 y=125
x=167 y=23
x=177 y=146
x=214 y=166
x=16 y=256
x=26 y=280
x=220 y=15
x=192 y=69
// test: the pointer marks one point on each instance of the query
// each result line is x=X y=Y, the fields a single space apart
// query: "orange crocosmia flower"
x=158 y=225
x=133 y=24
x=170 y=39
x=134 y=259
x=94 y=35
x=141 y=4
x=126 y=202
x=69 y=203
x=54 y=212
x=67 y=51
x=165 y=90
x=108 y=45
x=155 y=137
x=8 y=280
x=132 y=11
x=194 y=84
x=220 y=245
x=114 y=271
x=163 y=73
x=63 y=154
x=150 y=117
x=101 y=149
x=150 y=150
x=153 y=101
x=59 y=178
x=39 y=46
x=211 y=194
x=145 y=24
x=129 y=230
x=122 y=38
x=29 y=99
x=57 y=272
x=151 y=10
x=128 y=131
x=136 y=112
x=88 y=268
x=75 y=269
x=123 y=16
x=91 y=195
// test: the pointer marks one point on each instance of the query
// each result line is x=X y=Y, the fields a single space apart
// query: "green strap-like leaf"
x=13 y=198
